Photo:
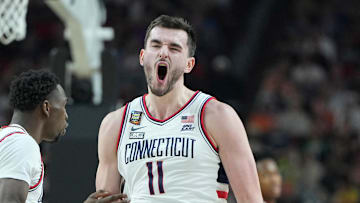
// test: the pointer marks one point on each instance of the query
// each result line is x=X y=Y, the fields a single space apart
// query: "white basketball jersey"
x=20 y=159
x=169 y=160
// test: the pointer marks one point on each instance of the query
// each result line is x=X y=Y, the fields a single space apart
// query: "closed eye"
x=174 y=49
x=155 y=43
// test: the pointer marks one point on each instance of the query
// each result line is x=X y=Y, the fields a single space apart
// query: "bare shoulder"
x=222 y=122
x=109 y=128
x=112 y=120
x=219 y=110
x=113 y=117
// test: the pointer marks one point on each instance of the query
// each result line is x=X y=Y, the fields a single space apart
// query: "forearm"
x=242 y=173
x=244 y=181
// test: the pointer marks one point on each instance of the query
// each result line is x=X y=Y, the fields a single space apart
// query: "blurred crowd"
x=306 y=113
x=307 y=110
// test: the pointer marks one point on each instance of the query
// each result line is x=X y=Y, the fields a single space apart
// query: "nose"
x=164 y=52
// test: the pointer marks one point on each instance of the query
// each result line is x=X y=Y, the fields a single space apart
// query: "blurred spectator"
x=270 y=179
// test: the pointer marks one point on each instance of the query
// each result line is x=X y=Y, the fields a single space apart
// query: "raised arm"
x=227 y=131
x=107 y=176
x=13 y=191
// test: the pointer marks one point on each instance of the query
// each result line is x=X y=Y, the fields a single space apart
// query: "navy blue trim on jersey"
x=222 y=177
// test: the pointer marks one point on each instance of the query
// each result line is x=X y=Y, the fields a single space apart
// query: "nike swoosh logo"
x=134 y=129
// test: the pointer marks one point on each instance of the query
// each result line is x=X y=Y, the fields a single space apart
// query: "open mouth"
x=162 y=69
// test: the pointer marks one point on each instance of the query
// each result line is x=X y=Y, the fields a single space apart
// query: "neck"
x=27 y=121
x=164 y=106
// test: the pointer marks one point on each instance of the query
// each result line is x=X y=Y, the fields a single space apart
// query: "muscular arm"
x=227 y=131
x=107 y=176
x=13 y=191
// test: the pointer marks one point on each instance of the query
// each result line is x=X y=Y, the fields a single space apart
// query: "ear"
x=45 y=108
x=141 y=57
x=190 y=64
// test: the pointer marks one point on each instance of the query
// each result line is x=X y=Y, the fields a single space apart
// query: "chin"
x=161 y=91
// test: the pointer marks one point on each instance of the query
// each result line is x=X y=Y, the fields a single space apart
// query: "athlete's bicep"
x=225 y=127
x=13 y=191
x=107 y=176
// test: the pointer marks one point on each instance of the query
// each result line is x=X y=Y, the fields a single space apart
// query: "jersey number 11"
x=159 y=165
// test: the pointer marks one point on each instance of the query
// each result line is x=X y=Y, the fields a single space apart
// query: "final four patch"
x=135 y=117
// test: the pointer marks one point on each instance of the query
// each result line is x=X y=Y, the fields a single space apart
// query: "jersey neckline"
x=14 y=125
x=176 y=113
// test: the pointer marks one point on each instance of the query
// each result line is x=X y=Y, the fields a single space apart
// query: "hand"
x=102 y=196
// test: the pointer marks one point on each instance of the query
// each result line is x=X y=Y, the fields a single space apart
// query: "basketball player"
x=39 y=114
x=170 y=144
x=270 y=180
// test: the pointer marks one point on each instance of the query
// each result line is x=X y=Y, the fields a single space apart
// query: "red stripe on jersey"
x=222 y=194
x=11 y=134
x=158 y=120
x=41 y=177
x=121 y=127
x=203 y=125
x=42 y=164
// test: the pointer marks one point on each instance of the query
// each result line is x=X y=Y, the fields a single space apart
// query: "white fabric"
x=177 y=146
x=20 y=159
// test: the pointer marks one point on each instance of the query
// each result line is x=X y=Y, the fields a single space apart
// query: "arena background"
x=290 y=68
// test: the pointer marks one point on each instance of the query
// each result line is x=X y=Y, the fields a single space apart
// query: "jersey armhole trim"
x=32 y=188
x=122 y=126
x=203 y=124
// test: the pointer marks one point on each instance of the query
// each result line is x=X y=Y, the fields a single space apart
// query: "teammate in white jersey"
x=168 y=144
x=39 y=114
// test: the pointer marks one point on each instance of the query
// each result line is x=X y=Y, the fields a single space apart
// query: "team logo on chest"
x=135 y=117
